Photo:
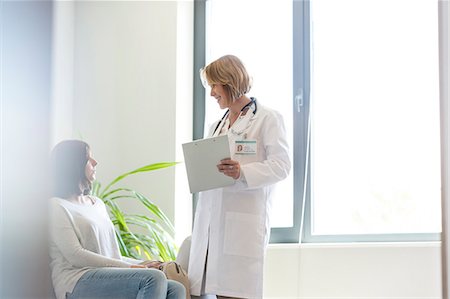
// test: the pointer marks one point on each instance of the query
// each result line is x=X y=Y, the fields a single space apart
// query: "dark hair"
x=68 y=161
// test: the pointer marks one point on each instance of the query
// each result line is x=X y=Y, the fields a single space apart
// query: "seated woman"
x=85 y=257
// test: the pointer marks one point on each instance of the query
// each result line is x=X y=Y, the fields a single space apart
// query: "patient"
x=85 y=257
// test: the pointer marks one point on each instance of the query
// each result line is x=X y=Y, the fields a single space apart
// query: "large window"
x=375 y=166
x=357 y=82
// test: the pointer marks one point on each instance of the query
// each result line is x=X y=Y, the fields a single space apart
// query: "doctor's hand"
x=230 y=168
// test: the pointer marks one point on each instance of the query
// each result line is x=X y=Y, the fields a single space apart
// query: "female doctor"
x=231 y=226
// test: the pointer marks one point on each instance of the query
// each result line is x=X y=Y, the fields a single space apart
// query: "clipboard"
x=201 y=158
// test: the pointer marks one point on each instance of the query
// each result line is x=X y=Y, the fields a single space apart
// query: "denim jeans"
x=126 y=283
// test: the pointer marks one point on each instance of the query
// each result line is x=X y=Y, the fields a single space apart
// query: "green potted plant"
x=139 y=236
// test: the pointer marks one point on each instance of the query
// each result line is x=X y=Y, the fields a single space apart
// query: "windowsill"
x=436 y=244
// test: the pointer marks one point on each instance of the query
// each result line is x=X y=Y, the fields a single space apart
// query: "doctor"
x=232 y=225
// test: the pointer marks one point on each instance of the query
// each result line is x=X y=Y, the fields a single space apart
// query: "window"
x=357 y=82
x=266 y=50
x=263 y=41
x=375 y=162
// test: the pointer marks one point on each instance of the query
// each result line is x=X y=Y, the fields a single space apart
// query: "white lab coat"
x=231 y=226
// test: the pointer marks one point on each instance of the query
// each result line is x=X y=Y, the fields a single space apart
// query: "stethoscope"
x=249 y=104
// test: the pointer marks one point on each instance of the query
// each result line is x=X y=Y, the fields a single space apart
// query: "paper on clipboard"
x=201 y=158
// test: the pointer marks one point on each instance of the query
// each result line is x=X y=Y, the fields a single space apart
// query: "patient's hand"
x=151 y=264
x=137 y=266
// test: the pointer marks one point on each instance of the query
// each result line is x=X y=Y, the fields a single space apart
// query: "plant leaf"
x=155 y=210
x=123 y=248
x=157 y=242
x=115 y=191
x=146 y=168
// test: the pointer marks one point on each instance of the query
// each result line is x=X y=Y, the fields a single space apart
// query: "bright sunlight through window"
x=259 y=32
x=375 y=117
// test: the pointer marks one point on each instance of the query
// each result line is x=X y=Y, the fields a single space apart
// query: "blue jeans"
x=126 y=283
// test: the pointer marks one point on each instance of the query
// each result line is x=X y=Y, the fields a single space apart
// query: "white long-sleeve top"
x=82 y=237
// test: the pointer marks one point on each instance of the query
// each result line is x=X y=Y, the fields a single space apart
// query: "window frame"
x=300 y=114
x=301 y=231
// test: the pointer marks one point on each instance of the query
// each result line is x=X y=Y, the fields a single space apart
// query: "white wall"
x=184 y=115
x=118 y=86
x=125 y=86
x=344 y=271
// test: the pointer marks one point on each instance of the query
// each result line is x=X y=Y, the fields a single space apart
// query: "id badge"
x=245 y=147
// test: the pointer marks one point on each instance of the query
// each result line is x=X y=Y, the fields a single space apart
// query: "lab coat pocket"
x=244 y=235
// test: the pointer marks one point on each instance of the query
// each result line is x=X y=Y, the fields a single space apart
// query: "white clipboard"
x=201 y=158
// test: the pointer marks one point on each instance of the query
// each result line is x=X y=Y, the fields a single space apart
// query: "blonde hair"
x=230 y=72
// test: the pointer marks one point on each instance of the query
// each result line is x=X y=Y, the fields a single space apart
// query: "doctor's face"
x=219 y=92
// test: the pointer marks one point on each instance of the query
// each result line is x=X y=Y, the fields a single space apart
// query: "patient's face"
x=90 y=168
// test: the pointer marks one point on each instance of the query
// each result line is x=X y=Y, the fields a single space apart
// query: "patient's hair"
x=230 y=72
x=68 y=166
